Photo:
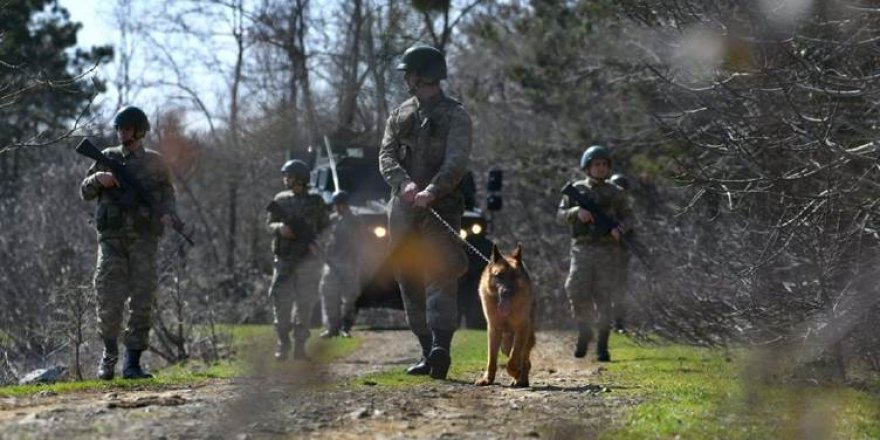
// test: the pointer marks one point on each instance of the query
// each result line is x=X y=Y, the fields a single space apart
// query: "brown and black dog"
x=510 y=307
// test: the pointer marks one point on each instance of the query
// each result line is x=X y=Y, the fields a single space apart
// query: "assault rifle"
x=303 y=232
x=604 y=224
x=132 y=187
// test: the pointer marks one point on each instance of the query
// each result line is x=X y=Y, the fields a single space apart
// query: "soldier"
x=620 y=299
x=128 y=238
x=340 y=281
x=294 y=220
x=423 y=156
x=595 y=255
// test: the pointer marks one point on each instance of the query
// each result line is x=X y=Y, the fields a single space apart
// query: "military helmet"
x=131 y=116
x=297 y=169
x=340 y=197
x=620 y=180
x=428 y=61
x=594 y=152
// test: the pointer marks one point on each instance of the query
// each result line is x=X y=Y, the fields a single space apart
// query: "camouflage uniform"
x=429 y=144
x=297 y=271
x=595 y=273
x=128 y=237
x=340 y=280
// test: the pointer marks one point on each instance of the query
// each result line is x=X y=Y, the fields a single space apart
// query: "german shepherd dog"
x=510 y=308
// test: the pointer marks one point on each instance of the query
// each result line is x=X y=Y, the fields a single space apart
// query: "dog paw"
x=483 y=381
x=519 y=384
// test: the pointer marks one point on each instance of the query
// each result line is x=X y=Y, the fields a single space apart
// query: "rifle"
x=604 y=224
x=131 y=186
x=304 y=234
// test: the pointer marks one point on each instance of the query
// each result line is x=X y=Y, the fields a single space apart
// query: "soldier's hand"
x=286 y=232
x=424 y=199
x=615 y=233
x=167 y=220
x=107 y=180
x=313 y=249
x=585 y=216
x=409 y=192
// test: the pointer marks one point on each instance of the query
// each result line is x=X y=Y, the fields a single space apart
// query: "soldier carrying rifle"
x=295 y=218
x=135 y=201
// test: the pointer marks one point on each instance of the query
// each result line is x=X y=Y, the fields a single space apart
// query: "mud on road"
x=568 y=400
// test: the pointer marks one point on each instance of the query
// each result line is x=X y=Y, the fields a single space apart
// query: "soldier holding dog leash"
x=423 y=156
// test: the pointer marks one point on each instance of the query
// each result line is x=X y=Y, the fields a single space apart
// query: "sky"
x=96 y=31
x=98 y=28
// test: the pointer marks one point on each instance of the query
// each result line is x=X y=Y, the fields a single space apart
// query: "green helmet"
x=594 y=152
x=131 y=116
x=425 y=60
x=340 y=197
x=296 y=169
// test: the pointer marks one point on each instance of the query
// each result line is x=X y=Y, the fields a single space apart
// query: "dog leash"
x=454 y=233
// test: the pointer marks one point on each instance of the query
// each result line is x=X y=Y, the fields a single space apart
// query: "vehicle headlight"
x=462 y=233
x=380 y=231
x=476 y=229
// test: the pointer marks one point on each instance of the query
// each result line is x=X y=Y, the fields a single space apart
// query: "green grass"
x=469 y=359
x=689 y=393
x=697 y=393
x=253 y=346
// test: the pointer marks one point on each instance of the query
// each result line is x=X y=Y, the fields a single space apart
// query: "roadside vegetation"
x=249 y=343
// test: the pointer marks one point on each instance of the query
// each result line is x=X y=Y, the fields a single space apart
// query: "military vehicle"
x=358 y=173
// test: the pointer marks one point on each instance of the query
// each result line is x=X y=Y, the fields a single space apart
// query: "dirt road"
x=568 y=400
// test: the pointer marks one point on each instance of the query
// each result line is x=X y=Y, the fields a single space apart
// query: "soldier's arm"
x=90 y=188
x=389 y=165
x=458 y=152
x=273 y=224
x=566 y=214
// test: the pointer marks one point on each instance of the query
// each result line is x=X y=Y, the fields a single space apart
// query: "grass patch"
x=253 y=346
x=469 y=359
x=700 y=393
x=689 y=393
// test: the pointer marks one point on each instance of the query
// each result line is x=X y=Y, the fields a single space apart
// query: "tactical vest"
x=119 y=211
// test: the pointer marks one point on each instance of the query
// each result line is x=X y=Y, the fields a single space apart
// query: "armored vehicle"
x=357 y=171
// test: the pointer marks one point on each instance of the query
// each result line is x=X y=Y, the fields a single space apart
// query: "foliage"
x=41 y=72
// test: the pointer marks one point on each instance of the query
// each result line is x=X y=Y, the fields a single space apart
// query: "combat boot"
x=439 y=358
x=347 y=324
x=619 y=327
x=132 y=368
x=328 y=333
x=107 y=367
x=283 y=346
x=602 y=354
x=300 y=336
x=585 y=334
x=421 y=368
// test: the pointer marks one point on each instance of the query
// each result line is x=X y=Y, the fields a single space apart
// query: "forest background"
x=746 y=128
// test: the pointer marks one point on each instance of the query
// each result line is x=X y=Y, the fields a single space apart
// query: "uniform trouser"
x=428 y=260
x=592 y=282
x=294 y=288
x=126 y=271
x=340 y=286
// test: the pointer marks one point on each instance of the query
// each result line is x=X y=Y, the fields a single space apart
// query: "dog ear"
x=517 y=253
x=496 y=254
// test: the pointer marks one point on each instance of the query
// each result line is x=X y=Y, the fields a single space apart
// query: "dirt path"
x=568 y=399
